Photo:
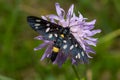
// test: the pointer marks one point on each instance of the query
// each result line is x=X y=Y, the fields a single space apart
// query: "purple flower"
x=80 y=29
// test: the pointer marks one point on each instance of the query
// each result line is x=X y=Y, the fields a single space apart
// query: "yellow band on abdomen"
x=62 y=35
x=55 y=49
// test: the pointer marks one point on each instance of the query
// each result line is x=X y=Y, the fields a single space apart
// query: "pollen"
x=55 y=49
x=62 y=35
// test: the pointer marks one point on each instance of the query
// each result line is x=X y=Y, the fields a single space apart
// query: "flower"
x=80 y=29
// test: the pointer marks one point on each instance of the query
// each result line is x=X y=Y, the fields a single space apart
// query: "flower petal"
x=59 y=11
x=39 y=38
x=53 y=17
x=74 y=18
x=61 y=58
x=89 y=49
x=88 y=27
x=93 y=43
x=48 y=51
x=74 y=61
x=92 y=39
x=93 y=32
x=90 y=23
x=70 y=12
x=40 y=46
x=89 y=55
x=80 y=17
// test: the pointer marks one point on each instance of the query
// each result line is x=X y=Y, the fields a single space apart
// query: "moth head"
x=66 y=30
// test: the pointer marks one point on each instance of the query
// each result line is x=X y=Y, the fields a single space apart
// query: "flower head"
x=79 y=28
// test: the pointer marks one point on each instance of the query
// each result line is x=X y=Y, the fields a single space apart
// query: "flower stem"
x=76 y=73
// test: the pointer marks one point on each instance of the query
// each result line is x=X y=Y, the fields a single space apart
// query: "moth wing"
x=45 y=28
x=71 y=47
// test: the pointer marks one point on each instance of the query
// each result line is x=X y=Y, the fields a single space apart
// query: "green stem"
x=76 y=73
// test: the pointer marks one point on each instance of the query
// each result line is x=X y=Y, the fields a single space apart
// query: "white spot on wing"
x=69 y=37
x=82 y=53
x=56 y=35
x=76 y=56
x=76 y=45
x=37 y=25
x=48 y=24
x=71 y=47
x=79 y=55
x=50 y=35
x=65 y=46
x=38 y=20
x=64 y=41
x=47 y=29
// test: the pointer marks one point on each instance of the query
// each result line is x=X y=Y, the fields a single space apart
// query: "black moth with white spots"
x=61 y=37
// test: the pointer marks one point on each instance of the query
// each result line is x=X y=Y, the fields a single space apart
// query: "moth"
x=62 y=37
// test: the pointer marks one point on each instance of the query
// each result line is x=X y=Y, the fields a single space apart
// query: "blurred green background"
x=18 y=61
